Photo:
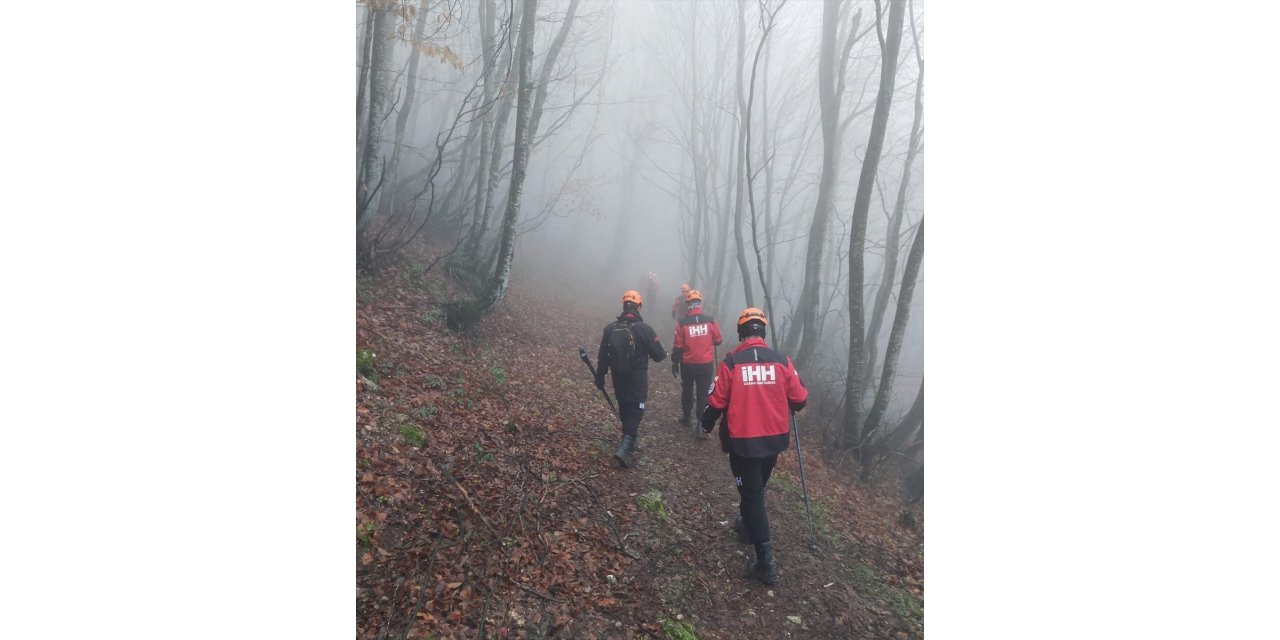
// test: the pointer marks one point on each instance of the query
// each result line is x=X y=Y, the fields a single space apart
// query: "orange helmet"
x=752 y=313
x=692 y=295
x=631 y=295
x=684 y=288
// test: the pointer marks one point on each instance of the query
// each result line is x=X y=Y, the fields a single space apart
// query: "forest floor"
x=488 y=504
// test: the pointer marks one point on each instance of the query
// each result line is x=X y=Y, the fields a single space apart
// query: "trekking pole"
x=813 y=545
x=582 y=353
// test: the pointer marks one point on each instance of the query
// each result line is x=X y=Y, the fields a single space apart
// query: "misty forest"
x=520 y=164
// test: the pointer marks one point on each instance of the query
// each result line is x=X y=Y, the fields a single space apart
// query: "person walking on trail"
x=651 y=286
x=755 y=390
x=678 y=306
x=693 y=358
x=625 y=349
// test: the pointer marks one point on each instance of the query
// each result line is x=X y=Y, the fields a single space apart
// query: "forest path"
x=693 y=563
x=488 y=503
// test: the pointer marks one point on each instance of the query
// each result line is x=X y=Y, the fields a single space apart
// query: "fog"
x=634 y=143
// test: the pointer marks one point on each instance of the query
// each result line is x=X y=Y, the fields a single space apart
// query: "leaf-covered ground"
x=488 y=503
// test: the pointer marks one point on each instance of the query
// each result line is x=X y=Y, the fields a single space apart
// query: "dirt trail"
x=693 y=563
x=488 y=503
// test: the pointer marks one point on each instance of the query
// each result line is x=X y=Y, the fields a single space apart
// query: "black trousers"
x=751 y=475
x=695 y=379
x=631 y=414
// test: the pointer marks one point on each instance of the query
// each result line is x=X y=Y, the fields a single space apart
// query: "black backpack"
x=622 y=344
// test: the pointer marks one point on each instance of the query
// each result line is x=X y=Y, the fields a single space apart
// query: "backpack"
x=622 y=343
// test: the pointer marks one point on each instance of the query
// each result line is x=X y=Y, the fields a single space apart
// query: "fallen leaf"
x=795 y=619
x=454 y=585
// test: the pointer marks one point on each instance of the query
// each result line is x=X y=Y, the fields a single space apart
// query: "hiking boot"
x=624 y=449
x=763 y=570
x=741 y=530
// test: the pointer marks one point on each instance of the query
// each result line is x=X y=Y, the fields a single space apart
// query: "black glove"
x=708 y=426
x=600 y=382
x=675 y=369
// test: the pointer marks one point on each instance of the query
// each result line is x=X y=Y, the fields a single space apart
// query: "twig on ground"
x=513 y=581
x=449 y=474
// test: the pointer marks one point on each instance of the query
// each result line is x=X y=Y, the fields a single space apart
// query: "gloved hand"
x=600 y=382
x=708 y=426
x=675 y=369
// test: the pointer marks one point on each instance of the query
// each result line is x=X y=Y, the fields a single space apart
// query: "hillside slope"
x=488 y=505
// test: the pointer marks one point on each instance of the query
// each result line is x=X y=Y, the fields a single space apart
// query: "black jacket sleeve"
x=602 y=356
x=651 y=342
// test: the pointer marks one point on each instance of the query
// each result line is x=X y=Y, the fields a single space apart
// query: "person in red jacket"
x=693 y=358
x=678 y=306
x=755 y=390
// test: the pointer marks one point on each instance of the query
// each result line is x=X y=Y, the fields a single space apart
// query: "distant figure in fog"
x=650 y=286
x=678 y=306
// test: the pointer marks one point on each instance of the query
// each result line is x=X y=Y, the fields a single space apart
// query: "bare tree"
x=740 y=164
x=830 y=80
x=387 y=201
x=904 y=441
x=362 y=82
x=766 y=27
x=370 y=178
x=548 y=65
x=890 y=265
x=900 y=316
x=861 y=204
x=466 y=314
x=492 y=141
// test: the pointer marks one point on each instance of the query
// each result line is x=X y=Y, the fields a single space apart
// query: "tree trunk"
x=858 y=232
x=755 y=242
x=535 y=114
x=386 y=203
x=519 y=161
x=488 y=46
x=899 y=329
x=695 y=152
x=361 y=86
x=548 y=65
x=804 y=326
x=719 y=278
x=909 y=425
x=498 y=142
x=740 y=159
x=766 y=137
x=370 y=179
x=891 y=240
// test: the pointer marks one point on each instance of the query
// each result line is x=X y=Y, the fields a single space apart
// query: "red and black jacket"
x=697 y=336
x=756 y=389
